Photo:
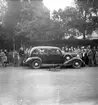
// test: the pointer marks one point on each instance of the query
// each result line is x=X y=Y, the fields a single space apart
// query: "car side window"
x=55 y=51
x=43 y=51
x=35 y=52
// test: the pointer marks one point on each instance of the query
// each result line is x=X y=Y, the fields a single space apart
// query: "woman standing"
x=3 y=58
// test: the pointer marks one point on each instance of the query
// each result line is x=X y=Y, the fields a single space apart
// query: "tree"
x=3 y=9
x=69 y=20
x=89 y=12
x=35 y=21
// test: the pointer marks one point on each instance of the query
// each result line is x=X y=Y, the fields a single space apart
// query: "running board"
x=45 y=65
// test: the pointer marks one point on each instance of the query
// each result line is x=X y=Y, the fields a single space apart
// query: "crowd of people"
x=88 y=54
x=14 y=57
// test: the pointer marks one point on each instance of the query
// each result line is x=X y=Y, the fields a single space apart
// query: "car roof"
x=38 y=47
x=45 y=47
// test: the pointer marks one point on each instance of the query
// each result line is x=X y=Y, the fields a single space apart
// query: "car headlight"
x=78 y=55
x=67 y=57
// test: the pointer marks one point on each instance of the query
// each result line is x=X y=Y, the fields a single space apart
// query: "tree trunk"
x=13 y=44
x=85 y=22
x=84 y=35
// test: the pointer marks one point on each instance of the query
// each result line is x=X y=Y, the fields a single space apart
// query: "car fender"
x=31 y=59
x=67 y=55
x=69 y=62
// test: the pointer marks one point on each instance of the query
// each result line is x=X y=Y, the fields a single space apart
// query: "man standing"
x=90 y=58
x=94 y=54
x=96 y=57
x=21 y=55
x=16 y=58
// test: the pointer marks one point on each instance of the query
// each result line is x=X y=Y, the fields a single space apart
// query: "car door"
x=44 y=55
x=55 y=56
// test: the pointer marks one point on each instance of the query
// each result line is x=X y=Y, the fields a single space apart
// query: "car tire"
x=36 y=64
x=68 y=57
x=77 y=64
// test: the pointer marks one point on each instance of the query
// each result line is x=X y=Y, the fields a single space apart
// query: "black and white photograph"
x=48 y=52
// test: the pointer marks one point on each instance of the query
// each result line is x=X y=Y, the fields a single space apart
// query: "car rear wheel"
x=77 y=64
x=36 y=64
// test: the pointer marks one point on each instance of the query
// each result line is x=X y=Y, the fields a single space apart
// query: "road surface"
x=23 y=86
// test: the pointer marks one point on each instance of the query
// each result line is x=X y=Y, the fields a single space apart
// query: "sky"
x=56 y=4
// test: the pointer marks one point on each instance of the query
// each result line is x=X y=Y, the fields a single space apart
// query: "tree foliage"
x=89 y=12
x=35 y=22
x=69 y=19
x=3 y=9
x=32 y=20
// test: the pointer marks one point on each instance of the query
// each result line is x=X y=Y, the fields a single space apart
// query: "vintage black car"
x=41 y=56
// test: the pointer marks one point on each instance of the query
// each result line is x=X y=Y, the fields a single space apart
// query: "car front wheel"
x=36 y=64
x=77 y=64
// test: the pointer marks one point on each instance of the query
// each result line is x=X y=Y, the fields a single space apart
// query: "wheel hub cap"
x=36 y=64
x=77 y=64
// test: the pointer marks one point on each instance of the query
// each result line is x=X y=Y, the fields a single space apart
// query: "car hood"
x=70 y=53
